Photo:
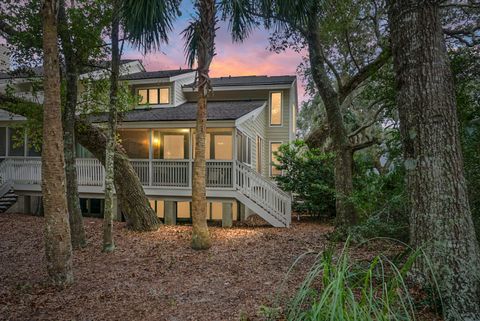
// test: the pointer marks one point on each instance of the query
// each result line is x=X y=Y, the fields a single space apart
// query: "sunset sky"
x=251 y=57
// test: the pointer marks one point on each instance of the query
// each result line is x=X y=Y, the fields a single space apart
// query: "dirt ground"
x=152 y=276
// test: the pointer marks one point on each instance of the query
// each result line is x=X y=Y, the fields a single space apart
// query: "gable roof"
x=156 y=74
x=216 y=110
x=249 y=81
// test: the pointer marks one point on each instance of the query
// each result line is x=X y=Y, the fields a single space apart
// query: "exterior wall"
x=260 y=125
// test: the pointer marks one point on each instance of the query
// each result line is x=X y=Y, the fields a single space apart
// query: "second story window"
x=154 y=96
x=276 y=109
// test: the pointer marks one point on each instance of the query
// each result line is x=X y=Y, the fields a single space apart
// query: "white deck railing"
x=154 y=173
x=221 y=174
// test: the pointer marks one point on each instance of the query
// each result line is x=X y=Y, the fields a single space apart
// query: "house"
x=249 y=117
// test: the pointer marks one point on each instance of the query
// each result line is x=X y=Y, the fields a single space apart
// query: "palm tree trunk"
x=200 y=235
x=77 y=229
x=440 y=219
x=58 y=247
x=108 y=242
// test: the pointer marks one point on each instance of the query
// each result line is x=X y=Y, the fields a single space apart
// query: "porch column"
x=227 y=215
x=170 y=212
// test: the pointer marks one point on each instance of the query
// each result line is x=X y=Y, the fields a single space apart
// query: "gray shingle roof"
x=156 y=74
x=216 y=110
x=250 y=81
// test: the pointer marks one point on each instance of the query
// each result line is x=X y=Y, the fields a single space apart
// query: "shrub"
x=308 y=174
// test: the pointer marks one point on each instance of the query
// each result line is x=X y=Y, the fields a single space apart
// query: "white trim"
x=270 y=108
x=251 y=115
x=176 y=124
x=270 y=142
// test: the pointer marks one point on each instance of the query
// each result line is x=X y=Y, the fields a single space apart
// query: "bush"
x=308 y=174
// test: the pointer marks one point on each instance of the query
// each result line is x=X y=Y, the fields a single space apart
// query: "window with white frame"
x=154 y=96
x=244 y=148
x=276 y=108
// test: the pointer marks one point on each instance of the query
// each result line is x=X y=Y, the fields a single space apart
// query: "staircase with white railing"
x=231 y=178
x=7 y=193
x=262 y=196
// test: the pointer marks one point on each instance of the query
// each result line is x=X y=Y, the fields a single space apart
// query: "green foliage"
x=308 y=174
x=338 y=288
x=96 y=96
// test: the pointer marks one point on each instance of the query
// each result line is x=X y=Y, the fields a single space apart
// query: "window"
x=159 y=207
x=164 y=95
x=244 y=148
x=154 y=96
x=273 y=159
x=276 y=109
x=259 y=154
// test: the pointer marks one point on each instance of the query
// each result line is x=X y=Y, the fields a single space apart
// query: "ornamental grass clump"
x=339 y=288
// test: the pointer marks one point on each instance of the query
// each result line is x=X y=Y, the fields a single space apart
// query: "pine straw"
x=151 y=276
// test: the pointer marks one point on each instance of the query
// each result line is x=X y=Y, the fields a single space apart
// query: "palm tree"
x=146 y=24
x=200 y=46
x=58 y=245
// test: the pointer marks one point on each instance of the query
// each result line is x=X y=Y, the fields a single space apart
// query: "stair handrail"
x=284 y=215
x=266 y=180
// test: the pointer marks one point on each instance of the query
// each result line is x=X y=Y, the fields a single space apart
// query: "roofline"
x=157 y=80
x=236 y=87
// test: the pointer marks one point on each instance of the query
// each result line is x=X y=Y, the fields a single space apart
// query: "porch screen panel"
x=223 y=147
x=16 y=141
x=173 y=147
x=136 y=142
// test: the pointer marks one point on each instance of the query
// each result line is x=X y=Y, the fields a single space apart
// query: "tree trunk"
x=440 y=218
x=200 y=235
x=108 y=242
x=77 y=229
x=345 y=211
x=134 y=203
x=58 y=247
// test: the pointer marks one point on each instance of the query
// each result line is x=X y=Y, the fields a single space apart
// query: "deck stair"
x=7 y=196
x=262 y=196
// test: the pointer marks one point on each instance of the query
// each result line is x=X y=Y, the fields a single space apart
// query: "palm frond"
x=191 y=35
x=241 y=18
x=147 y=22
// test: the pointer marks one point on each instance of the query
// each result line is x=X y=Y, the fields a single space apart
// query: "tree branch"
x=372 y=121
x=364 y=73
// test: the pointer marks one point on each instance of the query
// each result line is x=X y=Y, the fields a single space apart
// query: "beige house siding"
x=254 y=127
